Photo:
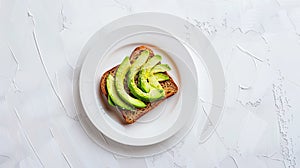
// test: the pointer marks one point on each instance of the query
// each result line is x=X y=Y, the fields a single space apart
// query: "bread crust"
x=169 y=86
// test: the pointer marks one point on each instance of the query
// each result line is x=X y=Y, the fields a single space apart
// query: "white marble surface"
x=258 y=42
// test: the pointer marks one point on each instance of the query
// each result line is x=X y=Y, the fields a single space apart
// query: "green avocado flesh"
x=119 y=83
x=160 y=68
x=148 y=81
x=153 y=94
x=147 y=78
x=160 y=77
x=153 y=82
x=145 y=73
x=152 y=62
x=143 y=80
x=110 y=102
x=113 y=97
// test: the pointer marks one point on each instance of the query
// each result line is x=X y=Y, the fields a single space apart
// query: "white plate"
x=209 y=70
x=162 y=122
x=196 y=40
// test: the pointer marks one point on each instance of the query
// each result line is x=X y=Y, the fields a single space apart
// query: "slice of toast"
x=169 y=86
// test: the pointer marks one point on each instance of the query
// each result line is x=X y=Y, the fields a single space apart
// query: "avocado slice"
x=152 y=62
x=160 y=68
x=110 y=102
x=147 y=78
x=145 y=72
x=143 y=80
x=148 y=81
x=153 y=82
x=113 y=97
x=119 y=83
x=138 y=63
x=160 y=77
x=153 y=94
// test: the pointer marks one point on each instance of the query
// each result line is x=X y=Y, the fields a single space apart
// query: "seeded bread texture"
x=169 y=87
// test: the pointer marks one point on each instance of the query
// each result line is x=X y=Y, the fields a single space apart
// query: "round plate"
x=161 y=122
x=209 y=70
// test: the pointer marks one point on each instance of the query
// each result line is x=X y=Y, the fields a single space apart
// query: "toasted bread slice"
x=169 y=86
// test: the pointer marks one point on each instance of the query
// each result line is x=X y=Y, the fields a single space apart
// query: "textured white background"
x=258 y=42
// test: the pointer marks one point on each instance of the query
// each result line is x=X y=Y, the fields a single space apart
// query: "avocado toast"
x=139 y=84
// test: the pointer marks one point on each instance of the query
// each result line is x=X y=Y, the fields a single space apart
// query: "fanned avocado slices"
x=145 y=73
x=119 y=83
x=113 y=97
x=153 y=82
x=154 y=93
x=147 y=78
x=149 y=74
